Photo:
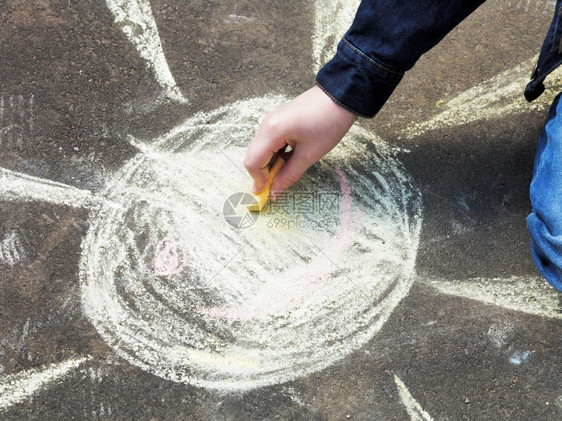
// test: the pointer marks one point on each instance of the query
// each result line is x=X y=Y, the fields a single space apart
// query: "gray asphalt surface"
x=73 y=88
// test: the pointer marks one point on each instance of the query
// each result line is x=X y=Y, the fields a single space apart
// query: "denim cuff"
x=357 y=82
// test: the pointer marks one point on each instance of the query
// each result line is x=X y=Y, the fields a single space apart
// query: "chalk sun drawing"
x=194 y=340
x=266 y=298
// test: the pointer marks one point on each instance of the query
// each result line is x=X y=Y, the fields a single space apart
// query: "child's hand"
x=312 y=124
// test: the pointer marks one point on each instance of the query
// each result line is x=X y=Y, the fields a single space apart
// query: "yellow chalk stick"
x=261 y=197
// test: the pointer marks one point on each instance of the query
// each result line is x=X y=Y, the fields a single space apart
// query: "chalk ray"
x=136 y=20
x=331 y=20
x=11 y=250
x=532 y=295
x=499 y=96
x=415 y=410
x=16 y=388
x=16 y=186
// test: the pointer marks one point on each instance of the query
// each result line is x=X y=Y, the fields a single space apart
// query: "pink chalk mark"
x=297 y=289
x=168 y=260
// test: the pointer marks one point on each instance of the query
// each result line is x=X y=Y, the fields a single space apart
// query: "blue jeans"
x=545 y=221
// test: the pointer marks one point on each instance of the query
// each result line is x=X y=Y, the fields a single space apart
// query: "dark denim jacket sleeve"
x=550 y=57
x=386 y=39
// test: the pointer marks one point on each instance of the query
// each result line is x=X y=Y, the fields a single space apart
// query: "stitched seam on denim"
x=369 y=59
x=338 y=102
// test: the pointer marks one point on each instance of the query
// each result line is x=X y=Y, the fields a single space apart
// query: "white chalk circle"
x=303 y=287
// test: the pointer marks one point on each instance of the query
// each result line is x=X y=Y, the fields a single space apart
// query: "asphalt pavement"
x=395 y=282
